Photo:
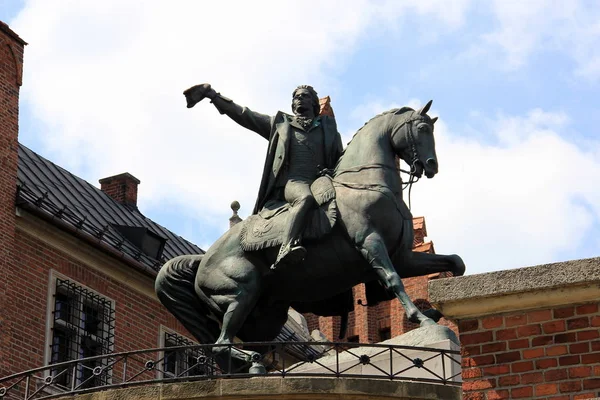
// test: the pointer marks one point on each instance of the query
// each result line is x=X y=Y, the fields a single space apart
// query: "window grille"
x=83 y=324
x=385 y=334
x=183 y=362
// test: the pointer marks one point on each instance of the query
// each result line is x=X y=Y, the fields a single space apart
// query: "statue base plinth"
x=425 y=361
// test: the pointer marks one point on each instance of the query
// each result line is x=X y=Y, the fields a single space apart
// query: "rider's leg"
x=301 y=200
x=374 y=251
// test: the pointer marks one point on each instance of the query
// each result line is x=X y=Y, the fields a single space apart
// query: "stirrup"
x=289 y=254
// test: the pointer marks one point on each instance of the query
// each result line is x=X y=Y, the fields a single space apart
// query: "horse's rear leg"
x=419 y=264
x=236 y=298
x=374 y=251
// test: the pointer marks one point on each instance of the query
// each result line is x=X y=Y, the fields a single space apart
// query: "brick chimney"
x=325 y=106
x=123 y=188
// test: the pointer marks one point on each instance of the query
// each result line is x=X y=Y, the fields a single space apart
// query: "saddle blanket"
x=265 y=229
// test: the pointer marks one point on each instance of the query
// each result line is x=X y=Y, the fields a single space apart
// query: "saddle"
x=265 y=229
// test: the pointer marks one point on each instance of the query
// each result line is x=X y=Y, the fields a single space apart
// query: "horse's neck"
x=369 y=158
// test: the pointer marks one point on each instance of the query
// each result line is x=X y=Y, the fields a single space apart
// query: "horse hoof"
x=257 y=369
x=434 y=314
x=427 y=322
x=459 y=265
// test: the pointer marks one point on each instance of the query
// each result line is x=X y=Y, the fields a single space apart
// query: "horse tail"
x=175 y=289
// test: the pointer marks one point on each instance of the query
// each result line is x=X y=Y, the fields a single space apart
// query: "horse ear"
x=433 y=120
x=424 y=110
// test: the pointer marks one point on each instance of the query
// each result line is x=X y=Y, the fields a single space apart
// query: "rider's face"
x=302 y=103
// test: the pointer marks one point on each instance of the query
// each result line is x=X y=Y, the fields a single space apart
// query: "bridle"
x=410 y=138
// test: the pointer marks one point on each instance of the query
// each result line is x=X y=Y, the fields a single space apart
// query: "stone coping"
x=261 y=388
x=569 y=282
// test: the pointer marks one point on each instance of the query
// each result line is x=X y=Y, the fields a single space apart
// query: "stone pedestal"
x=276 y=388
x=422 y=362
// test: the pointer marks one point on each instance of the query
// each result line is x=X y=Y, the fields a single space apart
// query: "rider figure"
x=301 y=148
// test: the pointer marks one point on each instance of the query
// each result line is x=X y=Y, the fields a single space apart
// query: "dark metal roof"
x=66 y=198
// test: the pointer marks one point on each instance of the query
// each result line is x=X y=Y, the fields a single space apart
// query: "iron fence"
x=320 y=359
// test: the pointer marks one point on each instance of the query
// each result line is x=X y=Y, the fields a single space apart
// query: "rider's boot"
x=290 y=253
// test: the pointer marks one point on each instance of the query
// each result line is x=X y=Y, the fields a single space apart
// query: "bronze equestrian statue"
x=360 y=233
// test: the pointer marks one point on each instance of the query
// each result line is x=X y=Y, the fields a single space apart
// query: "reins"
x=412 y=177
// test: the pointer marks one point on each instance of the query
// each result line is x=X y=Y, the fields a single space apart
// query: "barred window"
x=83 y=324
x=183 y=362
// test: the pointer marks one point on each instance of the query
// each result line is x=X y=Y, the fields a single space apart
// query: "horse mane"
x=396 y=111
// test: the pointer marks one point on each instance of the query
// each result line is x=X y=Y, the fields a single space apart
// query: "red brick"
x=471 y=351
x=588 y=335
x=595 y=320
x=529 y=330
x=597 y=370
x=497 y=394
x=546 y=389
x=587 y=309
x=493 y=347
x=470 y=373
x=564 y=312
x=590 y=358
x=509 y=380
x=533 y=353
x=539 y=316
x=541 y=341
x=580 y=372
x=519 y=393
x=553 y=326
x=496 y=370
x=565 y=337
x=596 y=345
x=582 y=396
x=572 y=386
x=533 y=377
x=468 y=325
x=578 y=348
x=506 y=334
x=593 y=383
x=555 y=375
x=473 y=396
x=483 y=360
x=522 y=366
x=508 y=357
x=557 y=350
x=515 y=320
x=482 y=384
x=492 y=322
x=569 y=360
x=518 y=344
x=578 y=323
x=476 y=338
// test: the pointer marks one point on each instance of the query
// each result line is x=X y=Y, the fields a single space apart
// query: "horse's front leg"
x=374 y=251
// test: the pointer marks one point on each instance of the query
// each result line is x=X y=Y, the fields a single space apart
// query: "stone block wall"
x=530 y=333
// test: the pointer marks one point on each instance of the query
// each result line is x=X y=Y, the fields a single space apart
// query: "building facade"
x=77 y=263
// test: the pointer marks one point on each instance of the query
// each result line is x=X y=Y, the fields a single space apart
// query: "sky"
x=515 y=85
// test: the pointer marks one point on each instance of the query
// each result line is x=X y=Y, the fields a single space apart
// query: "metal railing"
x=134 y=368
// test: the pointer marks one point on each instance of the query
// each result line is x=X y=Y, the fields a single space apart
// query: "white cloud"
x=105 y=79
x=523 y=201
x=525 y=28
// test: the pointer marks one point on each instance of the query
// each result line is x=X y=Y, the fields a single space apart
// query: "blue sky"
x=515 y=85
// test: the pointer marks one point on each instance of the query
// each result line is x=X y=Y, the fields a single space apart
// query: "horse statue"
x=231 y=292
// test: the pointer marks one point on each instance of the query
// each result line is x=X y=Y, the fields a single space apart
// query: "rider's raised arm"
x=257 y=122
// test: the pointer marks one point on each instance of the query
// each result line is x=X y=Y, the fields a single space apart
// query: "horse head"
x=413 y=141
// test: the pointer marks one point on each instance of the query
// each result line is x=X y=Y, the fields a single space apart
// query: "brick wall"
x=527 y=333
x=11 y=62
x=551 y=353
x=138 y=316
